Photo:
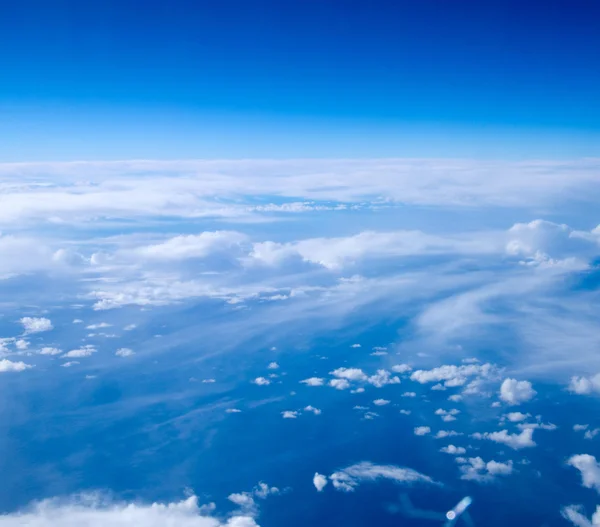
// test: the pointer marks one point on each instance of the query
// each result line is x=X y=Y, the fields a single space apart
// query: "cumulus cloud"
x=124 y=352
x=50 y=351
x=515 y=441
x=401 y=368
x=516 y=417
x=476 y=469
x=447 y=433
x=100 y=325
x=452 y=375
x=289 y=414
x=575 y=514
x=422 y=430
x=319 y=481
x=36 y=325
x=339 y=384
x=312 y=409
x=84 y=351
x=516 y=392
x=22 y=344
x=585 y=385
x=351 y=374
x=96 y=511
x=382 y=378
x=381 y=402
x=351 y=477
x=589 y=469
x=314 y=381
x=7 y=365
x=453 y=450
x=261 y=381
x=590 y=434
x=273 y=366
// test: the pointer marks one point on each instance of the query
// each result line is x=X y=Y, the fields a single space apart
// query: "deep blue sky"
x=288 y=77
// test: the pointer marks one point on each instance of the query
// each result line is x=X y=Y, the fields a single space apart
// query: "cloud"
x=339 y=384
x=124 y=352
x=381 y=402
x=585 y=385
x=515 y=441
x=246 y=501
x=454 y=450
x=261 y=381
x=351 y=374
x=10 y=366
x=313 y=381
x=590 y=434
x=516 y=417
x=516 y=392
x=453 y=375
x=350 y=478
x=319 y=481
x=447 y=433
x=422 y=430
x=273 y=366
x=100 y=325
x=409 y=394
x=36 y=325
x=382 y=378
x=575 y=514
x=50 y=351
x=312 y=409
x=401 y=368
x=84 y=351
x=476 y=469
x=289 y=414
x=580 y=428
x=233 y=411
x=95 y=511
x=589 y=469
x=21 y=344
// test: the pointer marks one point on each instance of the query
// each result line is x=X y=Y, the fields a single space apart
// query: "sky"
x=288 y=263
x=276 y=78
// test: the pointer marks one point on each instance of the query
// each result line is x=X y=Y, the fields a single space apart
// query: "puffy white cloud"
x=447 y=433
x=355 y=346
x=261 y=381
x=590 y=434
x=422 y=430
x=191 y=246
x=36 y=325
x=351 y=374
x=124 y=352
x=351 y=477
x=312 y=409
x=233 y=411
x=50 y=351
x=84 y=351
x=273 y=366
x=22 y=344
x=409 y=394
x=130 y=327
x=589 y=469
x=516 y=392
x=575 y=514
x=515 y=441
x=580 y=428
x=314 y=381
x=289 y=414
x=381 y=402
x=70 y=363
x=476 y=469
x=339 y=384
x=382 y=378
x=319 y=481
x=7 y=365
x=100 y=325
x=516 y=417
x=453 y=375
x=95 y=511
x=453 y=450
x=401 y=368
x=405 y=412
x=585 y=385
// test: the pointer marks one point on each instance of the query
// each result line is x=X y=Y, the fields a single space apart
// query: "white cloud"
x=314 y=381
x=580 y=428
x=455 y=398
x=84 y=351
x=208 y=381
x=351 y=374
x=453 y=375
x=22 y=344
x=261 y=381
x=312 y=409
x=355 y=346
x=319 y=481
x=70 y=363
x=515 y=441
x=130 y=327
x=516 y=417
x=100 y=325
x=585 y=385
x=405 y=412
x=124 y=352
x=7 y=365
x=516 y=392
x=476 y=469
x=575 y=514
x=351 y=477
x=409 y=394
x=422 y=430
x=454 y=450
x=289 y=414
x=95 y=511
x=50 y=351
x=447 y=433
x=590 y=434
x=381 y=402
x=36 y=325
x=401 y=368
x=233 y=411
x=273 y=366
x=77 y=321
x=382 y=378
x=589 y=469
x=339 y=384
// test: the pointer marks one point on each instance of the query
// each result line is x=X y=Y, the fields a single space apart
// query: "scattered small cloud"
x=319 y=481
x=422 y=430
x=124 y=352
x=516 y=392
x=261 y=381
x=313 y=381
x=589 y=469
x=36 y=325
x=453 y=450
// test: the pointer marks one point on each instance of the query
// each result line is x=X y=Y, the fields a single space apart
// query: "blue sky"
x=115 y=80
x=299 y=263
